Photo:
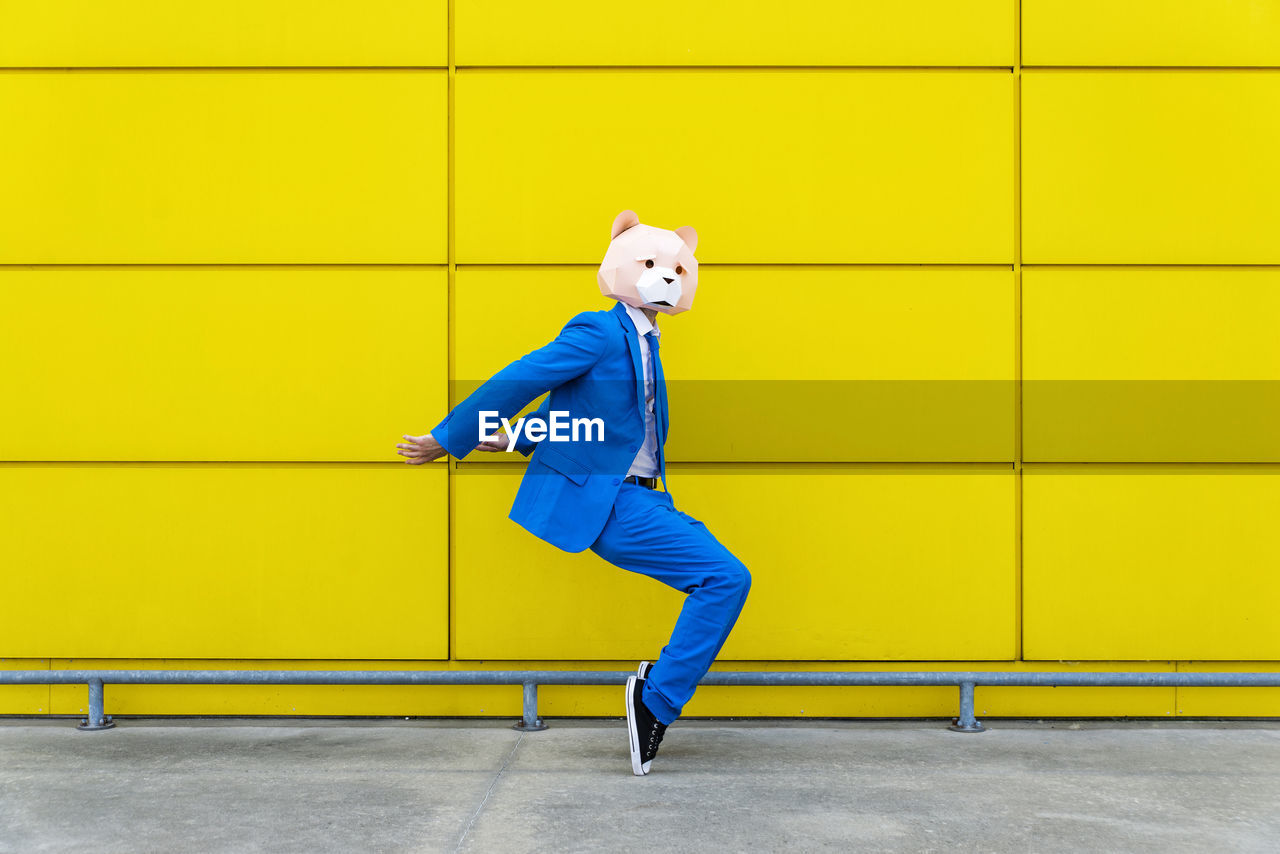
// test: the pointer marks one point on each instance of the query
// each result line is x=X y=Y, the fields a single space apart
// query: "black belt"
x=648 y=482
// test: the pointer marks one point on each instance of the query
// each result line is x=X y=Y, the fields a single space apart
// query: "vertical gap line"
x=1017 y=330
x=450 y=344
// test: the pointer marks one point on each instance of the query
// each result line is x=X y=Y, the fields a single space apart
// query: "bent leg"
x=746 y=587
x=646 y=534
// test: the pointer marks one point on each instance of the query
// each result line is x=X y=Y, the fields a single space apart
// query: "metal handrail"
x=966 y=680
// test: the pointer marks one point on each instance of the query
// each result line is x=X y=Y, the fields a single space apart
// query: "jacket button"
x=616 y=481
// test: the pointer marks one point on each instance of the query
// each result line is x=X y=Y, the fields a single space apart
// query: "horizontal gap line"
x=1150 y=68
x=536 y=265
x=811 y=466
x=304 y=265
x=549 y=265
x=850 y=464
x=748 y=67
x=1025 y=265
x=519 y=462
x=232 y=68
x=589 y=68
x=890 y=665
x=886 y=265
x=220 y=68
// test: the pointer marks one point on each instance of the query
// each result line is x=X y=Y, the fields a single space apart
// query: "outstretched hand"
x=496 y=442
x=424 y=448
x=420 y=449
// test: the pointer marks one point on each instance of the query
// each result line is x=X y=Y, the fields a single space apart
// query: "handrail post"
x=96 y=720
x=967 y=722
x=530 y=722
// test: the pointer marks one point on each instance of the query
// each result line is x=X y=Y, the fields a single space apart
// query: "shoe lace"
x=655 y=734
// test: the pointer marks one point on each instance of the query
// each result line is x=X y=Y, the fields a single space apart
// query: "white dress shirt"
x=646 y=461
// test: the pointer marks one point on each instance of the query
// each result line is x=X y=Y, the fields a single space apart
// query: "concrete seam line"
x=467 y=830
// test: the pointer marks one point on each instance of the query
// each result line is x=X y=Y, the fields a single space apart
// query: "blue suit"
x=573 y=493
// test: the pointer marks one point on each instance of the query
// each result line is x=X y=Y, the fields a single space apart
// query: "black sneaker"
x=643 y=670
x=644 y=731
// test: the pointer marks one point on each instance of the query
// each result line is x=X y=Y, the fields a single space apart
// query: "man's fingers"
x=422 y=453
x=420 y=449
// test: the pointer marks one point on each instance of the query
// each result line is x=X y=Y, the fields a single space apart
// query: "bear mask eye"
x=649 y=263
x=679 y=270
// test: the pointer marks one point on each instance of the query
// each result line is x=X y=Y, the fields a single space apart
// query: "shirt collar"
x=640 y=319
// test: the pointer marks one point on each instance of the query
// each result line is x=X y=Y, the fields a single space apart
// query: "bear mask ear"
x=622 y=222
x=689 y=236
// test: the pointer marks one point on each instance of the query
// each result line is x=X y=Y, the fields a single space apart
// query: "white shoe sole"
x=633 y=734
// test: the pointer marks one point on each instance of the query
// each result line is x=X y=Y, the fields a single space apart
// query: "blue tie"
x=659 y=399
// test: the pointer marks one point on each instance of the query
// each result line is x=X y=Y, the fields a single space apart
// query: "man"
x=598 y=489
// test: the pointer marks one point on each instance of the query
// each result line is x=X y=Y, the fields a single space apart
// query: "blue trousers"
x=645 y=533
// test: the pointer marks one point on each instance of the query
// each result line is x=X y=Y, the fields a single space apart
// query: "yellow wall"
x=1027 y=259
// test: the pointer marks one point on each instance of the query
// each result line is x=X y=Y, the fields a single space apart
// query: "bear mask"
x=648 y=267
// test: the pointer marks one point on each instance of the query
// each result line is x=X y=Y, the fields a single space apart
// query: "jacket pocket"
x=557 y=461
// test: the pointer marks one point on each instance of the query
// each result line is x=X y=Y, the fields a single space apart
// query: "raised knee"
x=730 y=578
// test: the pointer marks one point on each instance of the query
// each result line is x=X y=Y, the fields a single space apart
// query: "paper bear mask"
x=650 y=267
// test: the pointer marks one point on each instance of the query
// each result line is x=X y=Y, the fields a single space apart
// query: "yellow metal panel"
x=217 y=364
x=767 y=165
x=1148 y=167
x=1150 y=365
x=1222 y=702
x=880 y=324
x=105 y=33
x=224 y=561
x=496 y=321
x=748 y=32
x=222 y=166
x=1035 y=702
x=929 y=352
x=24 y=699
x=1142 y=562
x=851 y=579
x=1150 y=32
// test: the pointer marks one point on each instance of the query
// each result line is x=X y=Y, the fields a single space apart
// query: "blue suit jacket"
x=592 y=370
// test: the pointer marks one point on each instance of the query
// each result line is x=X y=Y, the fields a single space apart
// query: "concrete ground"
x=355 y=785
